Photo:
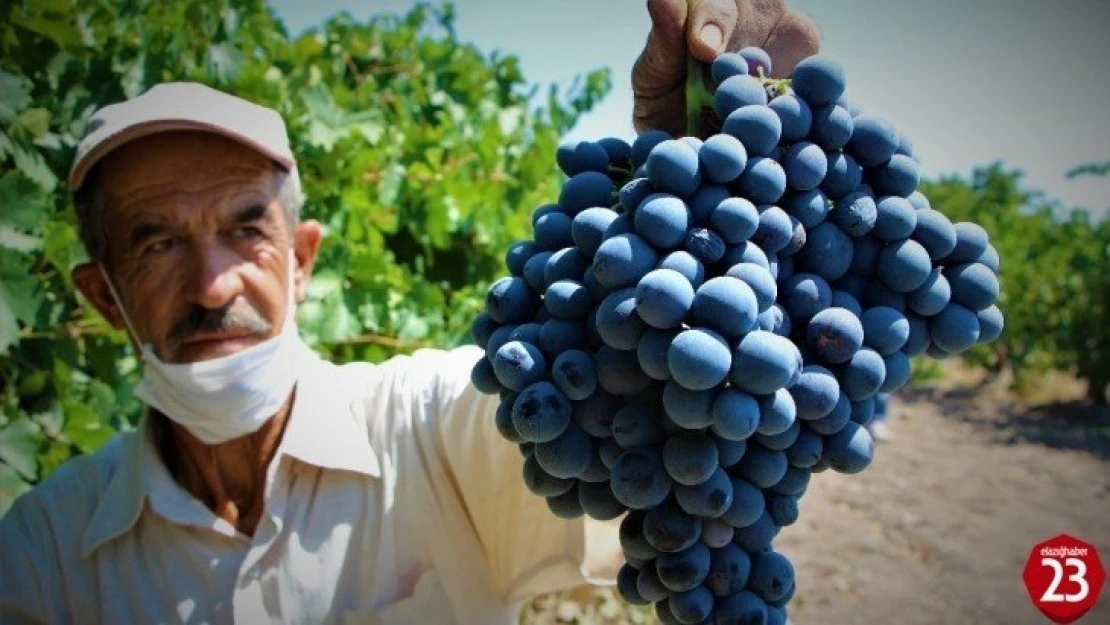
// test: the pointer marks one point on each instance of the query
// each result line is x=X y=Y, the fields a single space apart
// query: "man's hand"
x=706 y=28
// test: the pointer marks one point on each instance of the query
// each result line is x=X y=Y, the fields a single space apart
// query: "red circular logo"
x=1064 y=576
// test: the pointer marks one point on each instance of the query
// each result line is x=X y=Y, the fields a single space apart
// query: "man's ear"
x=94 y=286
x=306 y=245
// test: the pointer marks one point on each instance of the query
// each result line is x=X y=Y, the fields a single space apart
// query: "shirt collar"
x=326 y=428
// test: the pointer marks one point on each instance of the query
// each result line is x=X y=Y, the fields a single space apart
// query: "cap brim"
x=144 y=129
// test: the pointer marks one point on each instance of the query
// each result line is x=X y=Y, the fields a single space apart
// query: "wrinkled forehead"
x=180 y=167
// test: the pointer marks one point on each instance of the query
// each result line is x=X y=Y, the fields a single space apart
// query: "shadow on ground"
x=1072 y=424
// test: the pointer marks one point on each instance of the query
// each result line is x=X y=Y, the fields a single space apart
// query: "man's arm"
x=704 y=29
x=529 y=550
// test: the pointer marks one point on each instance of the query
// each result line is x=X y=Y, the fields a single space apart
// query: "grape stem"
x=698 y=98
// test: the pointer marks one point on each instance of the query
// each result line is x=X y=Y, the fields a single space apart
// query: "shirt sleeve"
x=20 y=594
x=529 y=549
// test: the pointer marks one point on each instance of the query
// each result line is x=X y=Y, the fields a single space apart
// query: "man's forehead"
x=185 y=163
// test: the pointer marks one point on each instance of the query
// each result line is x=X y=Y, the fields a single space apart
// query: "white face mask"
x=228 y=397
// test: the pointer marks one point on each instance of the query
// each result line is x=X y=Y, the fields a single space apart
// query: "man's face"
x=198 y=245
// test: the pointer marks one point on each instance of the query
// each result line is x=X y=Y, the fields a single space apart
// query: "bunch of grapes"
x=698 y=326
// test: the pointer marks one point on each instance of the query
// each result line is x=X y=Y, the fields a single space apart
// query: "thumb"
x=710 y=28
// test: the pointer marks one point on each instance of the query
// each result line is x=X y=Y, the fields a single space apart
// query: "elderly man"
x=265 y=484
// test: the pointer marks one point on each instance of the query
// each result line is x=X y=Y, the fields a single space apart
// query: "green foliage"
x=1055 y=283
x=422 y=158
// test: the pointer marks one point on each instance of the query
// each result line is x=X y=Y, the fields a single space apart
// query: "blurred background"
x=426 y=135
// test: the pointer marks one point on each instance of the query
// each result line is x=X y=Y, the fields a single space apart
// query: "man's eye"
x=163 y=244
x=247 y=232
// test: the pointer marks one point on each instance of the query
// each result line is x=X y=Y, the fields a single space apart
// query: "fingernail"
x=711 y=35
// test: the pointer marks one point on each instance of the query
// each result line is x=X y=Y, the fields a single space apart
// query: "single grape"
x=759 y=280
x=805 y=165
x=759 y=62
x=567 y=455
x=850 y=450
x=757 y=127
x=863 y=375
x=808 y=207
x=815 y=393
x=895 y=218
x=684 y=263
x=763 y=181
x=736 y=92
x=735 y=219
x=971 y=243
x=576 y=157
x=763 y=362
x=690 y=457
x=727 y=65
x=585 y=190
x=707 y=500
x=904 y=266
x=723 y=158
x=832 y=127
x=689 y=409
x=618 y=323
x=955 y=328
x=636 y=425
x=670 y=530
x=819 y=80
x=828 y=252
x=511 y=300
x=974 y=285
x=683 y=570
x=835 y=334
x=672 y=167
x=622 y=260
x=855 y=213
x=795 y=116
x=873 y=141
x=588 y=228
x=662 y=220
x=884 y=329
x=573 y=373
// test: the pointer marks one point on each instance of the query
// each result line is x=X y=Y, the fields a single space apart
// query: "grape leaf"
x=32 y=165
x=25 y=205
x=19 y=298
x=18 y=241
x=17 y=95
x=19 y=444
x=224 y=61
x=11 y=487
x=83 y=427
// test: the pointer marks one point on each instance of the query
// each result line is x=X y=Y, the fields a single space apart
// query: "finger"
x=662 y=64
x=755 y=21
x=664 y=111
x=710 y=28
x=794 y=38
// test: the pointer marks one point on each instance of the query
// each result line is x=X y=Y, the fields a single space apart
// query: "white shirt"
x=391 y=499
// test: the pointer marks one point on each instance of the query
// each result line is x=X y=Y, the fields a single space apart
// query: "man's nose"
x=216 y=280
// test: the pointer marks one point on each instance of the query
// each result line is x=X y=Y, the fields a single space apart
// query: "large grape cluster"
x=698 y=326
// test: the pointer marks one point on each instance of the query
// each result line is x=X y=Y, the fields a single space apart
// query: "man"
x=264 y=484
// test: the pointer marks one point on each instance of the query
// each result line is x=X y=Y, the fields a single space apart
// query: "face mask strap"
x=123 y=311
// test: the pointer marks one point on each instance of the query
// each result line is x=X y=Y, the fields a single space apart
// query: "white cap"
x=182 y=106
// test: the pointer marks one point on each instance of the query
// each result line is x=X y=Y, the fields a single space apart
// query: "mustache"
x=236 y=316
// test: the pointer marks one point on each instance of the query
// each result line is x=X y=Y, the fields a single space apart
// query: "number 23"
x=1079 y=577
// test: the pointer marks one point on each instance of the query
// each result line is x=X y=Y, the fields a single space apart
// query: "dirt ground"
x=938 y=529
